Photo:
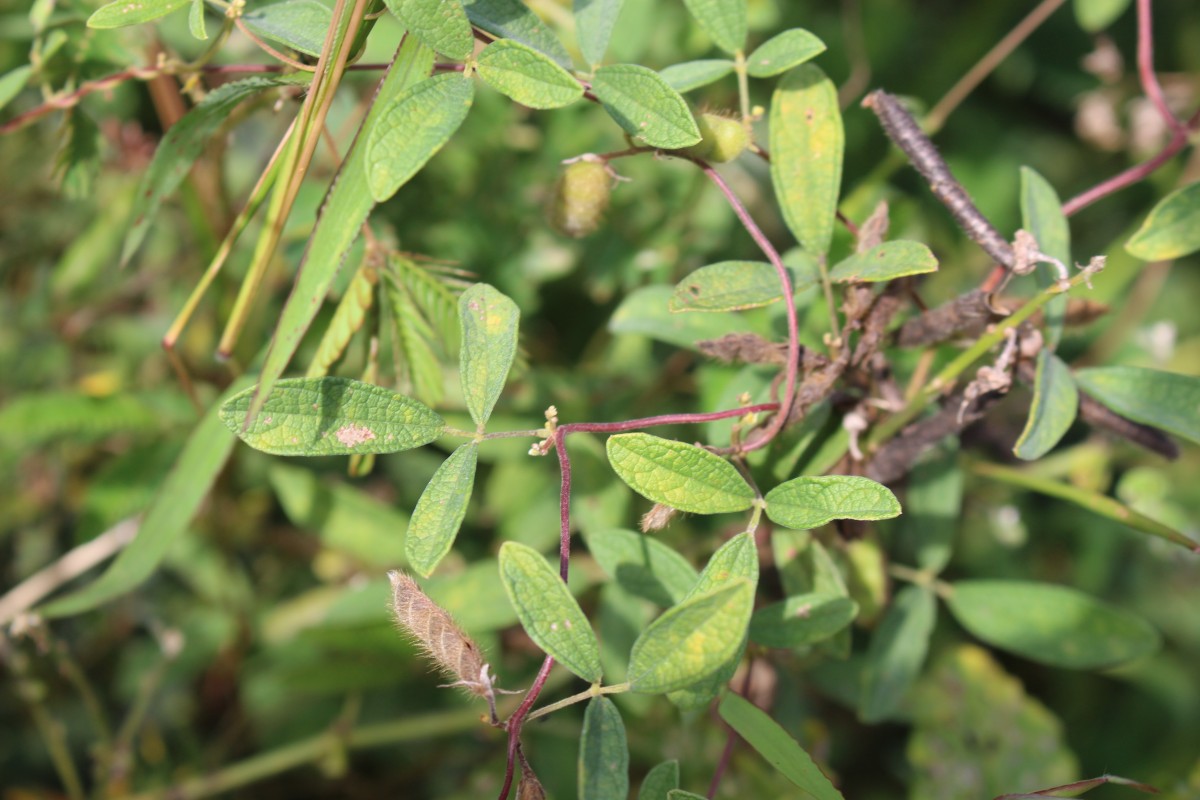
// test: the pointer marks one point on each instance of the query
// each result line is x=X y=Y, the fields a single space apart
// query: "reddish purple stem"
x=1145 y=62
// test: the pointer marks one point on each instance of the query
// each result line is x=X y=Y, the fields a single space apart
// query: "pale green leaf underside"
x=645 y=106
x=527 y=75
x=807 y=139
x=1054 y=625
x=132 y=12
x=644 y=311
x=1042 y=216
x=440 y=510
x=1173 y=228
x=1055 y=403
x=512 y=19
x=196 y=22
x=782 y=52
x=732 y=286
x=13 y=82
x=723 y=20
x=1167 y=400
x=413 y=128
x=489 y=343
x=167 y=518
x=802 y=620
x=1096 y=15
x=332 y=416
x=594 y=23
x=548 y=612
x=659 y=781
x=642 y=565
x=441 y=24
x=603 y=752
x=677 y=474
x=693 y=74
x=897 y=652
x=298 y=24
x=812 y=501
x=885 y=262
x=691 y=640
x=777 y=747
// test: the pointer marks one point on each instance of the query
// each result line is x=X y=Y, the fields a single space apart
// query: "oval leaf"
x=1172 y=229
x=527 y=76
x=732 y=286
x=489 y=343
x=773 y=743
x=132 y=12
x=693 y=74
x=723 y=20
x=548 y=612
x=659 y=781
x=13 y=82
x=332 y=416
x=413 y=129
x=897 y=652
x=1042 y=216
x=1055 y=403
x=813 y=500
x=802 y=620
x=782 y=52
x=594 y=22
x=441 y=24
x=806 y=155
x=440 y=511
x=644 y=105
x=1053 y=625
x=1166 y=400
x=679 y=475
x=196 y=22
x=512 y=19
x=691 y=640
x=603 y=753
x=1096 y=15
x=644 y=311
x=298 y=24
x=642 y=565
x=885 y=262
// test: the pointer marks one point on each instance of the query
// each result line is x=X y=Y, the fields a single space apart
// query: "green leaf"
x=1172 y=229
x=885 y=262
x=645 y=106
x=813 y=500
x=512 y=19
x=167 y=518
x=780 y=750
x=489 y=343
x=526 y=75
x=348 y=319
x=693 y=74
x=802 y=620
x=782 y=52
x=413 y=128
x=897 y=651
x=603 y=753
x=332 y=416
x=1096 y=15
x=677 y=474
x=659 y=781
x=13 y=82
x=180 y=148
x=441 y=24
x=731 y=286
x=1050 y=624
x=132 y=12
x=1055 y=402
x=933 y=508
x=298 y=24
x=440 y=511
x=1166 y=400
x=723 y=20
x=807 y=138
x=642 y=565
x=196 y=23
x=594 y=23
x=1043 y=217
x=692 y=639
x=548 y=612
x=645 y=311
x=680 y=794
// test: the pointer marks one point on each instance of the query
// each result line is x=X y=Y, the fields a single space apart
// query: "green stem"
x=587 y=694
x=921 y=577
x=831 y=304
x=743 y=79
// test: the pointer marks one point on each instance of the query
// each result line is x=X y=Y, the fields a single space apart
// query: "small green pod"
x=724 y=139
x=580 y=198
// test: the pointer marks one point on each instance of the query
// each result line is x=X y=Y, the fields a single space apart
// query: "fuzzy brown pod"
x=433 y=629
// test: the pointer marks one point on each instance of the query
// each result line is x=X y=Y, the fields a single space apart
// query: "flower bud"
x=580 y=198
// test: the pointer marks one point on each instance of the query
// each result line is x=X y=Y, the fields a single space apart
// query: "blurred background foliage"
x=267 y=624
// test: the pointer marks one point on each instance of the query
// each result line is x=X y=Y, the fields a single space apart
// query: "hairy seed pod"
x=531 y=787
x=435 y=631
x=724 y=139
x=658 y=517
x=580 y=198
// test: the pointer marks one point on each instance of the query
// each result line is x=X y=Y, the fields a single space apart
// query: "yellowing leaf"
x=679 y=475
x=441 y=24
x=782 y=52
x=812 y=501
x=644 y=105
x=526 y=75
x=440 y=511
x=489 y=343
x=132 y=12
x=885 y=262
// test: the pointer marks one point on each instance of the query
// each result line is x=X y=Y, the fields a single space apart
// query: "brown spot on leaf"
x=351 y=435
